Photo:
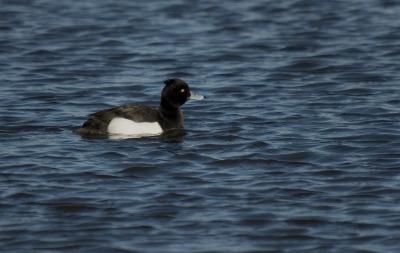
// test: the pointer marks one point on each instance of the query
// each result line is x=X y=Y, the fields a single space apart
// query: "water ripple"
x=294 y=149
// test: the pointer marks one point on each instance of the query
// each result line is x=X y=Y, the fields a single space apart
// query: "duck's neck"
x=169 y=111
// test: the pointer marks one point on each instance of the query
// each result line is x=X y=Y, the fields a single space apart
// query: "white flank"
x=126 y=127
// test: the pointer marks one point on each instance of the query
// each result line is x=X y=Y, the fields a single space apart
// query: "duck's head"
x=175 y=93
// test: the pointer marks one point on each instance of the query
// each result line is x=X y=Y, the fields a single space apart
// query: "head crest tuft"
x=169 y=82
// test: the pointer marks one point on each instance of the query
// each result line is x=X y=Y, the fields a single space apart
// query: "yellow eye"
x=182 y=90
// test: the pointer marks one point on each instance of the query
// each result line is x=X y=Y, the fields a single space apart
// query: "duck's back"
x=128 y=118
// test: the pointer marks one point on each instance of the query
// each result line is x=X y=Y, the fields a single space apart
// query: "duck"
x=138 y=120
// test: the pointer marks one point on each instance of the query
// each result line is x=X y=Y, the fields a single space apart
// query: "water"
x=295 y=149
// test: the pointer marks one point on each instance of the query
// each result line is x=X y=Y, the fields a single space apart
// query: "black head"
x=175 y=93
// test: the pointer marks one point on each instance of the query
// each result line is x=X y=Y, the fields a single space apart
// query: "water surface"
x=295 y=149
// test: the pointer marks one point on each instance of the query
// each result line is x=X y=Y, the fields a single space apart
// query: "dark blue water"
x=295 y=149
